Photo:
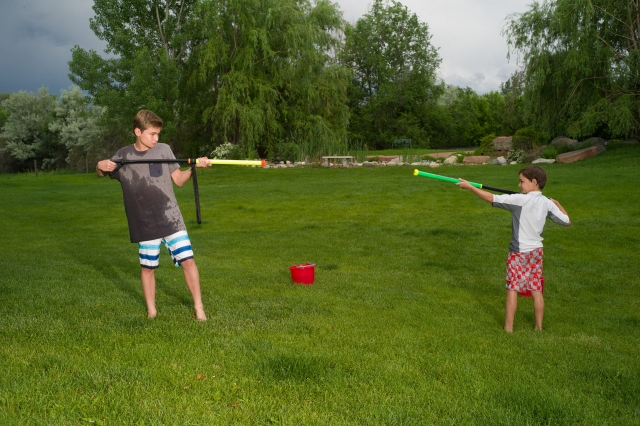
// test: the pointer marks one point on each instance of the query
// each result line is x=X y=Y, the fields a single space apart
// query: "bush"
x=525 y=139
x=486 y=144
x=227 y=151
x=287 y=152
x=551 y=151
x=516 y=155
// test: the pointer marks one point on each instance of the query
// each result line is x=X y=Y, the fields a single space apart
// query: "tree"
x=26 y=135
x=266 y=72
x=512 y=90
x=149 y=43
x=242 y=71
x=394 y=74
x=581 y=63
x=46 y=128
x=76 y=123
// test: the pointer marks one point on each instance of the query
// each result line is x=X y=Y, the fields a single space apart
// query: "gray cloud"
x=36 y=37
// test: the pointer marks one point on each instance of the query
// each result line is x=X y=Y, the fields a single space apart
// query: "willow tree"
x=394 y=69
x=266 y=73
x=581 y=62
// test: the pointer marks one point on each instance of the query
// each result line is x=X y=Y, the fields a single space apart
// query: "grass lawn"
x=403 y=325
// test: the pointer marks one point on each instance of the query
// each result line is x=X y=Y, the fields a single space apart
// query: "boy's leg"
x=538 y=308
x=148 y=279
x=179 y=246
x=192 y=278
x=149 y=254
x=510 y=310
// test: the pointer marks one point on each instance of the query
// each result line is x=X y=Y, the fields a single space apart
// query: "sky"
x=36 y=38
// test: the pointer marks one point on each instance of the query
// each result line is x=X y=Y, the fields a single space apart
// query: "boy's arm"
x=105 y=166
x=487 y=196
x=561 y=209
x=180 y=177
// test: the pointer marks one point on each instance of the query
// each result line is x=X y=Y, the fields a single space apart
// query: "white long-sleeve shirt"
x=529 y=213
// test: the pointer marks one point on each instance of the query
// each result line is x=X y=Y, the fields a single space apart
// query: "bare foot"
x=200 y=315
x=508 y=330
x=152 y=314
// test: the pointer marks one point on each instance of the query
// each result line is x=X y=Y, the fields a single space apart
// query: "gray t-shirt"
x=149 y=201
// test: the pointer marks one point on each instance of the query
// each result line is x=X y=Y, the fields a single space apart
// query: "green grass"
x=403 y=325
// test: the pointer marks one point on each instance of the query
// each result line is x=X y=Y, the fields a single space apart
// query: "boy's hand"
x=106 y=166
x=464 y=184
x=203 y=162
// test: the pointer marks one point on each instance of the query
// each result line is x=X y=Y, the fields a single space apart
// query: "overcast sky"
x=36 y=37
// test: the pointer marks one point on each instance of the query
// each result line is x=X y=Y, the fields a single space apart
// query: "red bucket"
x=527 y=293
x=303 y=274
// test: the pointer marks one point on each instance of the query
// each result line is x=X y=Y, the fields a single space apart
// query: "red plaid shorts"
x=524 y=271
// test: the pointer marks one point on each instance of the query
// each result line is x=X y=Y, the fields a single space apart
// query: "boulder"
x=563 y=140
x=594 y=141
x=451 y=160
x=501 y=160
x=476 y=159
x=387 y=158
x=369 y=164
x=434 y=164
x=543 y=161
x=502 y=143
x=581 y=154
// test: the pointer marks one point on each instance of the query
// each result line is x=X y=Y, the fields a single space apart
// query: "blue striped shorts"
x=178 y=244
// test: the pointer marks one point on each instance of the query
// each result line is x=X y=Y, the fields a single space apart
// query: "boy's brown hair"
x=145 y=119
x=535 y=172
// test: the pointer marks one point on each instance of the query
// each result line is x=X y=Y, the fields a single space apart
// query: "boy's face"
x=527 y=185
x=147 y=138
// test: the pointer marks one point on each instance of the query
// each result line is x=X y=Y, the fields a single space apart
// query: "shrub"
x=287 y=152
x=227 y=151
x=551 y=151
x=526 y=138
x=486 y=144
x=516 y=155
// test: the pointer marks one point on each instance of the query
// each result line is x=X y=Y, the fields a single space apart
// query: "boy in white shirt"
x=529 y=212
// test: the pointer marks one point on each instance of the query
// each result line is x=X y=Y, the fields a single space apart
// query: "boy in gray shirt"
x=152 y=210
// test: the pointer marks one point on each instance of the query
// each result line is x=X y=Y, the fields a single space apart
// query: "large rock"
x=543 y=161
x=476 y=159
x=387 y=158
x=502 y=143
x=581 y=154
x=451 y=160
x=594 y=141
x=563 y=140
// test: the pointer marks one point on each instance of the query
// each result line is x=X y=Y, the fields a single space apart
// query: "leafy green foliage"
x=394 y=75
x=269 y=74
x=581 y=66
x=526 y=139
x=486 y=144
x=550 y=151
x=26 y=135
x=48 y=129
x=517 y=155
x=245 y=72
x=465 y=117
